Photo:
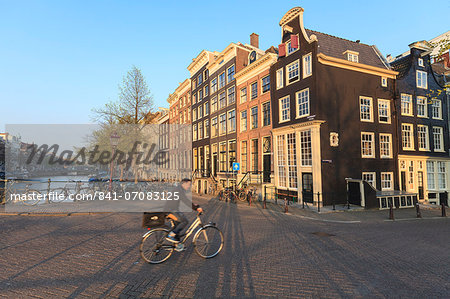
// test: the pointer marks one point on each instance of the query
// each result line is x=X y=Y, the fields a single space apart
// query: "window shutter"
x=281 y=50
x=294 y=41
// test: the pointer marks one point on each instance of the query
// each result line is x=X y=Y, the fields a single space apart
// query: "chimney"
x=254 y=40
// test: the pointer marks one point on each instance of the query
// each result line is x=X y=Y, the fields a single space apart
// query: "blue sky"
x=59 y=59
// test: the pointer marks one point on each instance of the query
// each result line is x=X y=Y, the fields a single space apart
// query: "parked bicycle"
x=207 y=240
x=14 y=194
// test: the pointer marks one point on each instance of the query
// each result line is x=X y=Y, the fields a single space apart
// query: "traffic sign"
x=236 y=166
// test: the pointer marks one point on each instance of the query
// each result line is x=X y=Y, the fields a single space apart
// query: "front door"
x=307 y=187
x=215 y=164
x=266 y=168
x=420 y=184
x=354 y=193
x=403 y=180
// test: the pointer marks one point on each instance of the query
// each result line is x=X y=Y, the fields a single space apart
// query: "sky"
x=60 y=59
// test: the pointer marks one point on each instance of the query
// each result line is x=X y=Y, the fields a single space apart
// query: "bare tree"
x=134 y=104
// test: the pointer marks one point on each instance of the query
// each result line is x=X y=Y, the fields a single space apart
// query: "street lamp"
x=114 y=139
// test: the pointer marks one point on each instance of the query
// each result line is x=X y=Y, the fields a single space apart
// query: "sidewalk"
x=342 y=214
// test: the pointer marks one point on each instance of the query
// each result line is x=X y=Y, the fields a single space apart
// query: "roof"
x=402 y=66
x=335 y=47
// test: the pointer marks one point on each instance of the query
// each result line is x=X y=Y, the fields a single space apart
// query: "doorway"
x=403 y=180
x=420 y=184
x=266 y=168
x=307 y=187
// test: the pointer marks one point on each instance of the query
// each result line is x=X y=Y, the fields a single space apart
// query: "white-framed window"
x=214 y=127
x=436 y=109
x=406 y=104
x=420 y=61
x=230 y=73
x=243 y=121
x=194 y=98
x=306 y=148
x=231 y=121
x=422 y=110
x=370 y=178
x=265 y=86
x=430 y=175
x=384 y=81
x=292 y=160
x=422 y=137
x=280 y=78
x=384 y=111
x=292 y=70
x=243 y=95
x=206 y=90
x=200 y=95
x=222 y=124
x=194 y=132
x=285 y=109
x=367 y=145
x=289 y=48
x=206 y=108
x=206 y=127
x=231 y=95
x=199 y=80
x=438 y=139
x=194 y=114
x=366 y=109
x=407 y=137
x=352 y=56
x=200 y=111
x=222 y=100
x=243 y=161
x=442 y=175
x=385 y=145
x=281 y=159
x=221 y=80
x=386 y=181
x=214 y=85
x=307 y=65
x=200 y=130
x=254 y=87
x=254 y=117
x=266 y=113
x=302 y=103
x=214 y=104
x=421 y=79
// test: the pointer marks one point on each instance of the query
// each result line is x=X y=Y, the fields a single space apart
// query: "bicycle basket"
x=152 y=220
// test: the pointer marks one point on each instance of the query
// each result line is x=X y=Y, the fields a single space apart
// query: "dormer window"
x=292 y=45
x=420 y=62
x=352 y=56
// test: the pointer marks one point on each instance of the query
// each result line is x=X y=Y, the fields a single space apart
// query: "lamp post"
x=114 y=139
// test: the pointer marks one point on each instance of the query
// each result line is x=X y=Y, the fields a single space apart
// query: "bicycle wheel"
x=59 y=195
x=31 y=197
x=154 y=248
x=242 y=196
x=208 y=242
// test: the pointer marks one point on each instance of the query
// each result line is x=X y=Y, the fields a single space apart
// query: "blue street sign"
x=236 y=166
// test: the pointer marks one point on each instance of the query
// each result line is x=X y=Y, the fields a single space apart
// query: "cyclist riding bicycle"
x=178 y=217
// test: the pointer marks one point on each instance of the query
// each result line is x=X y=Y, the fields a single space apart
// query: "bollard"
x=443 y=210
x=318 y=202
x=334 y=206
x=418 y=213
x=285 y=206
x=48 y=190
x=265 y=207
x=391 y=212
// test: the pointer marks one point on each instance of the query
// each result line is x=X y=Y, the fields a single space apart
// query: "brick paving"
x=266 y=254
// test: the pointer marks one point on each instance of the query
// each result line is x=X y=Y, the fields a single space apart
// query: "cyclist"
x=178 y=217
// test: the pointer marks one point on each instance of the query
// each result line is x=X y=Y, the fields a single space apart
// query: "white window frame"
x=220 y=124
x=370 y=109
x=224 y=81
x=205 y=128
x=381 y=108
x=228 y=81
x=280 y=108
x=257 y=117
x=214 y=85
x=307 y=65
x=422 y=101
x=391 y=180
x=229 y=123
x=373 y=182
x=426 y=138
x=439 y=109
x=411 y=137
x=241 y=121
x=290 y=50
x=389 y=136
x=403 y=103
x=242 y=95
x=297 y=62
x=228 y=95
x=262 y=85
x=440 y=140
x=372 y=145
x=421 y=79
x=420 y=61
x=301 y=95
x=353 y=57
x=384 y=82
x=280 y=78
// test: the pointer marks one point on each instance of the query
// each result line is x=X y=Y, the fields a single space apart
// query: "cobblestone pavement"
x=266 y=254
